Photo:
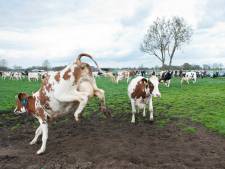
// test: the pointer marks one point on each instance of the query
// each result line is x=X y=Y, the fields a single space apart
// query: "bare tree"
x=46 y=64
x=181 y=33
x=164 y=37
x=156 y=40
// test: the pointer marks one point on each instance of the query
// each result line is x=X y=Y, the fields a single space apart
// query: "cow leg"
x=168 y=83
x=194 y=81
x=151 y=108
x=38 y=132
x=82 y=103
x=101 y=95
x=117 y=79
x=133 y=110
x=144 y=113
x=44 y=128
x=128 y=78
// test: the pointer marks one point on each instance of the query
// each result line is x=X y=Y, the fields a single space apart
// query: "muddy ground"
x=111 y=143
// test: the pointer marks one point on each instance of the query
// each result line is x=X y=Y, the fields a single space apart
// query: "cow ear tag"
x=24 y=102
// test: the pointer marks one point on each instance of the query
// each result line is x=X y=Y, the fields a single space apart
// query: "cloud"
x=112 y=30
x=212 y=14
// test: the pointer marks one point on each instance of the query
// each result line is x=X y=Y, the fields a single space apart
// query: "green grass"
x=202 y=102
x=10 y=88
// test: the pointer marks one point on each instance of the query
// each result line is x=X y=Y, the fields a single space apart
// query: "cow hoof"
x=103 y=109
x=77 y=120
x=133 y=121
x=40 y=152
x=32 y=142
x=106 y=112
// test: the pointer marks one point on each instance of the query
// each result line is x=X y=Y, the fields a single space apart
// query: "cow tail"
x=78 y=61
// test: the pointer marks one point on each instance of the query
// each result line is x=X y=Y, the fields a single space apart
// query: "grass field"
x=202 y=102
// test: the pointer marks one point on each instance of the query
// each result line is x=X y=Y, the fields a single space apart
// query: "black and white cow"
x=165 y=77
x=189 y=76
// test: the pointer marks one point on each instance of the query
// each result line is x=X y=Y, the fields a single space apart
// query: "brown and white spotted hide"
x=60 y=93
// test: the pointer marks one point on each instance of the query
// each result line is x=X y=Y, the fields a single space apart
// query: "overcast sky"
x=110 y=30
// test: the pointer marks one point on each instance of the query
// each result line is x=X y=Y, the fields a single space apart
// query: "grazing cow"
x=140 y=92
x=189 y=76
x=62 y=92
x=125 y=75
x=33 y=76
x=165 y=77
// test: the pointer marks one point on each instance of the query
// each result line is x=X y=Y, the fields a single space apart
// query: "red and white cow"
x=110 y=75
x=140 y=92
x=62 y=92
x=125 y=75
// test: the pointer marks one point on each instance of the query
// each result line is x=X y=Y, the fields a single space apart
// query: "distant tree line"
x=46 y=66
x=188 y=66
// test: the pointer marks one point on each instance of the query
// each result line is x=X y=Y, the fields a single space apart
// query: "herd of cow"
x=70 y=89
x=164 y=76
x=21 y=75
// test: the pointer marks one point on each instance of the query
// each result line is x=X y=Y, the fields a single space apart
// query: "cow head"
x=143 y=89
x=148 y=87
x=21 y=102
x=24 y=103
x=155 y=82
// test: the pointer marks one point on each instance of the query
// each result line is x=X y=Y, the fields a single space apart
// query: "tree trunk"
x=172 y=54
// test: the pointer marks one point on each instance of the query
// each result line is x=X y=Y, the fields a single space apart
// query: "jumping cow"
x=140 y=92
x=165 y=77
x=60 y=93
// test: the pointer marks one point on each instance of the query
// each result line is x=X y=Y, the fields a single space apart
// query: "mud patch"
x=112 y=143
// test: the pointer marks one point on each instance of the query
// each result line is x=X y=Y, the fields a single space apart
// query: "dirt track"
x=112 y=144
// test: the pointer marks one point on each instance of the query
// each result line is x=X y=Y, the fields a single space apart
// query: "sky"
x=111 y=31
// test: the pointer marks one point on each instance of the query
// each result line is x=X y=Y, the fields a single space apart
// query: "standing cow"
x=165 y=77
x=125 y=75
x=140 y=92
x=6 y=75
x=33 y=76
x=60 y=93
x=189 y=76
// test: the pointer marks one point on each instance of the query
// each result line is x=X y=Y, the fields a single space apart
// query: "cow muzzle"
x=17 y=112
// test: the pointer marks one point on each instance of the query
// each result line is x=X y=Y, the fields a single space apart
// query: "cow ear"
x=144 y=80
x=22 y=96
x=151 y=86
